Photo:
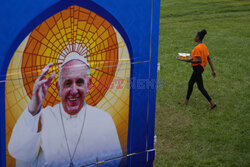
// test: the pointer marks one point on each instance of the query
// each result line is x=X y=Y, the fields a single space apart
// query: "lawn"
x=193 y=135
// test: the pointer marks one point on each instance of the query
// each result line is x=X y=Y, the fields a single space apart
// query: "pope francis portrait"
x=72 y=132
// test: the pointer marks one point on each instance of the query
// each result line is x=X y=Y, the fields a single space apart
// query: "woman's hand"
x=40 y=90
x=214 y=74
x=212 y=67
x=190 y=60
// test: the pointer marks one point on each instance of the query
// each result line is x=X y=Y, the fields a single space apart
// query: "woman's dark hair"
x=202 y=34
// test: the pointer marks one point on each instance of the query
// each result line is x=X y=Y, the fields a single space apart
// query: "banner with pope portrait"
x=72 y=30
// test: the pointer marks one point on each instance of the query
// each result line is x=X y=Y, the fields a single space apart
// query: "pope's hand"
x=40 y=90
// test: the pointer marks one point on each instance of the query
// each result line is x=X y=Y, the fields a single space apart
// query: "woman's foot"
x=212 y=105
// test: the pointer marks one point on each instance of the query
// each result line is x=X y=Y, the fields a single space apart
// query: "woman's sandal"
x=212 y=107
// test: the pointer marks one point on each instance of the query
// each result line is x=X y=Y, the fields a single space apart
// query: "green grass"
x=192 y=135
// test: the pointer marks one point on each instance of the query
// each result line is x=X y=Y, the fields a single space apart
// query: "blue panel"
x=138 y=109
x=153 y=73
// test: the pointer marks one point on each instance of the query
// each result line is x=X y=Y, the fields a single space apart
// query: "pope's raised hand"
x=40 y=90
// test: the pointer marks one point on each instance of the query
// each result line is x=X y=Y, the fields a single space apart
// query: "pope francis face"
x=73 y=86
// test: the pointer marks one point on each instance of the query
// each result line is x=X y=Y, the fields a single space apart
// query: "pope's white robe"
x=99 y=140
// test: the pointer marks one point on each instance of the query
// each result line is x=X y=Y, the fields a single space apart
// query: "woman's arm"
x=211 y=65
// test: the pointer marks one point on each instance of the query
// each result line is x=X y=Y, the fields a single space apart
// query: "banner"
x=78 y=83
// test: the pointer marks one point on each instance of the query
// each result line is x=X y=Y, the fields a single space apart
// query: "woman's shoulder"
x=203 y=45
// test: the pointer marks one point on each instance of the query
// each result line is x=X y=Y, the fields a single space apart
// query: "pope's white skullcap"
x=75 y=56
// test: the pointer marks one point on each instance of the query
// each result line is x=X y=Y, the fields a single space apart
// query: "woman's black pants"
x=197 y=77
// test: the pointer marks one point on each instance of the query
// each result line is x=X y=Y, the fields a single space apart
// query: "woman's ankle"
x=212 y=103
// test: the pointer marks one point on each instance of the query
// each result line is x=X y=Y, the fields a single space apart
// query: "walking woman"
x=200 y=56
